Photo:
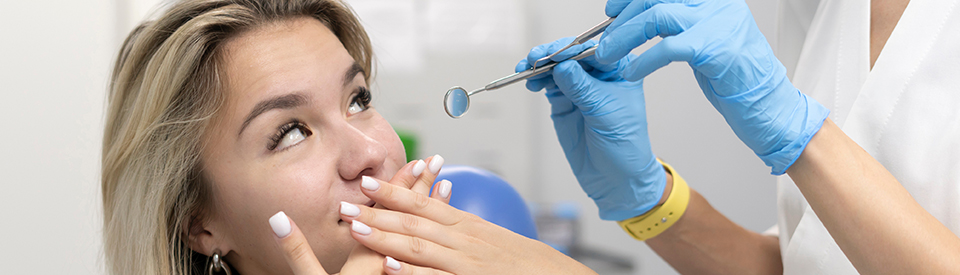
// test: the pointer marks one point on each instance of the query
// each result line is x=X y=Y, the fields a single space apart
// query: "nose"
x=362 y=154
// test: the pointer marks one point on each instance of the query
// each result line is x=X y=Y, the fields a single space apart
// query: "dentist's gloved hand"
x=733 y=64
x=601 y=123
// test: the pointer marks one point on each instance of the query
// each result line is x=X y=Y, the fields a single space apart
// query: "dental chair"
x=484 y=194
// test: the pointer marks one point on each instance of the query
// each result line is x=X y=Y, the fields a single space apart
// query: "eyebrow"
x=352 y=73
x=280 y=102
x=290 y=101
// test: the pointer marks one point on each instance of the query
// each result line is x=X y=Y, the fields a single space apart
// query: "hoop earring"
x=217 y=264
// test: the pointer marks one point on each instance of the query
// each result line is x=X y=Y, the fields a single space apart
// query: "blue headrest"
x=484 y=194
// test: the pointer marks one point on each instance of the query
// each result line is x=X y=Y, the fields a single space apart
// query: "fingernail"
x=435 y=164
x=280 y=224
x=418 y=168
x=370 y=184
x=348 y=209
x=393 y=263
x=445 y=186
x=361 y=228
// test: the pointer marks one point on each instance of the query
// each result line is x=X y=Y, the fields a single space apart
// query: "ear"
x=204 y=238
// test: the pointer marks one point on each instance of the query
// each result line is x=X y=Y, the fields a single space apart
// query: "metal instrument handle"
x=580 y=39
x=514 y=78
x=593 y=32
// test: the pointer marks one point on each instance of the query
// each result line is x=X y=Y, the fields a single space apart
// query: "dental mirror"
x=456 y=102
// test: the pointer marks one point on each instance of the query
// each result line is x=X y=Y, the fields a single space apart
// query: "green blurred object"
x=410 y=141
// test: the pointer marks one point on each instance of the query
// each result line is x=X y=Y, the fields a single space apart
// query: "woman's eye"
x=360 y=102
x=289 y=134
x=290 y=138
x=355 y=107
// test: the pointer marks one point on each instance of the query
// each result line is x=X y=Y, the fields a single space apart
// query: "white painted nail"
x=445 y=186
x=393 y=263
x=370 y=184
x=435 y=164
x=418 y=168
x=280 y=224
x=361 y=228
x=348 y=209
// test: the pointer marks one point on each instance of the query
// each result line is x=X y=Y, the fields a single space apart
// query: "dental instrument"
x=457 y=101
x=580 y=39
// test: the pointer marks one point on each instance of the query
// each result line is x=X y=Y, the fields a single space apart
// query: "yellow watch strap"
x=660 y=218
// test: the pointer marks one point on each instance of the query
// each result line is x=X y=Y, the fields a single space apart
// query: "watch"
x=663 y=216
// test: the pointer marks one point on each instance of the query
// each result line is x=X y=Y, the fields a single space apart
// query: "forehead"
x=297 y=55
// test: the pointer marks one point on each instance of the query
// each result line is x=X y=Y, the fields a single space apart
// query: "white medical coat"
x=905 y=112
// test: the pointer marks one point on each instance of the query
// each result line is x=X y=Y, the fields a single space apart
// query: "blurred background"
x=56 y=57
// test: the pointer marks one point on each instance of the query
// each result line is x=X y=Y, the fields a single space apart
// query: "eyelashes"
x=289 y=134
x=361 y=101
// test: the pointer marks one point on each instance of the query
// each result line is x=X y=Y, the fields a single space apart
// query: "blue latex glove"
x=733 y=64
x=602 y=126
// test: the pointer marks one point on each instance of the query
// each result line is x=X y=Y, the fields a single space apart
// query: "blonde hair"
x=165 y=88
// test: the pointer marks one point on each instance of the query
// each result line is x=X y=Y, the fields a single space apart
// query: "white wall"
x=55 y=62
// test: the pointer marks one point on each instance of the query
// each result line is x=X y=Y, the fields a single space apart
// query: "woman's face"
x=295 y=134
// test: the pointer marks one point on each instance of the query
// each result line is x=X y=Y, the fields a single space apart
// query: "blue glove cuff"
x=644 y=196
x=814 y=116
x=774 y=119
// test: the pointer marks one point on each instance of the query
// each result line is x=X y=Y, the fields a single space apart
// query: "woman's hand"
x=417 y=176
x=733 y=64
x=296 y=250
x=431 y=237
